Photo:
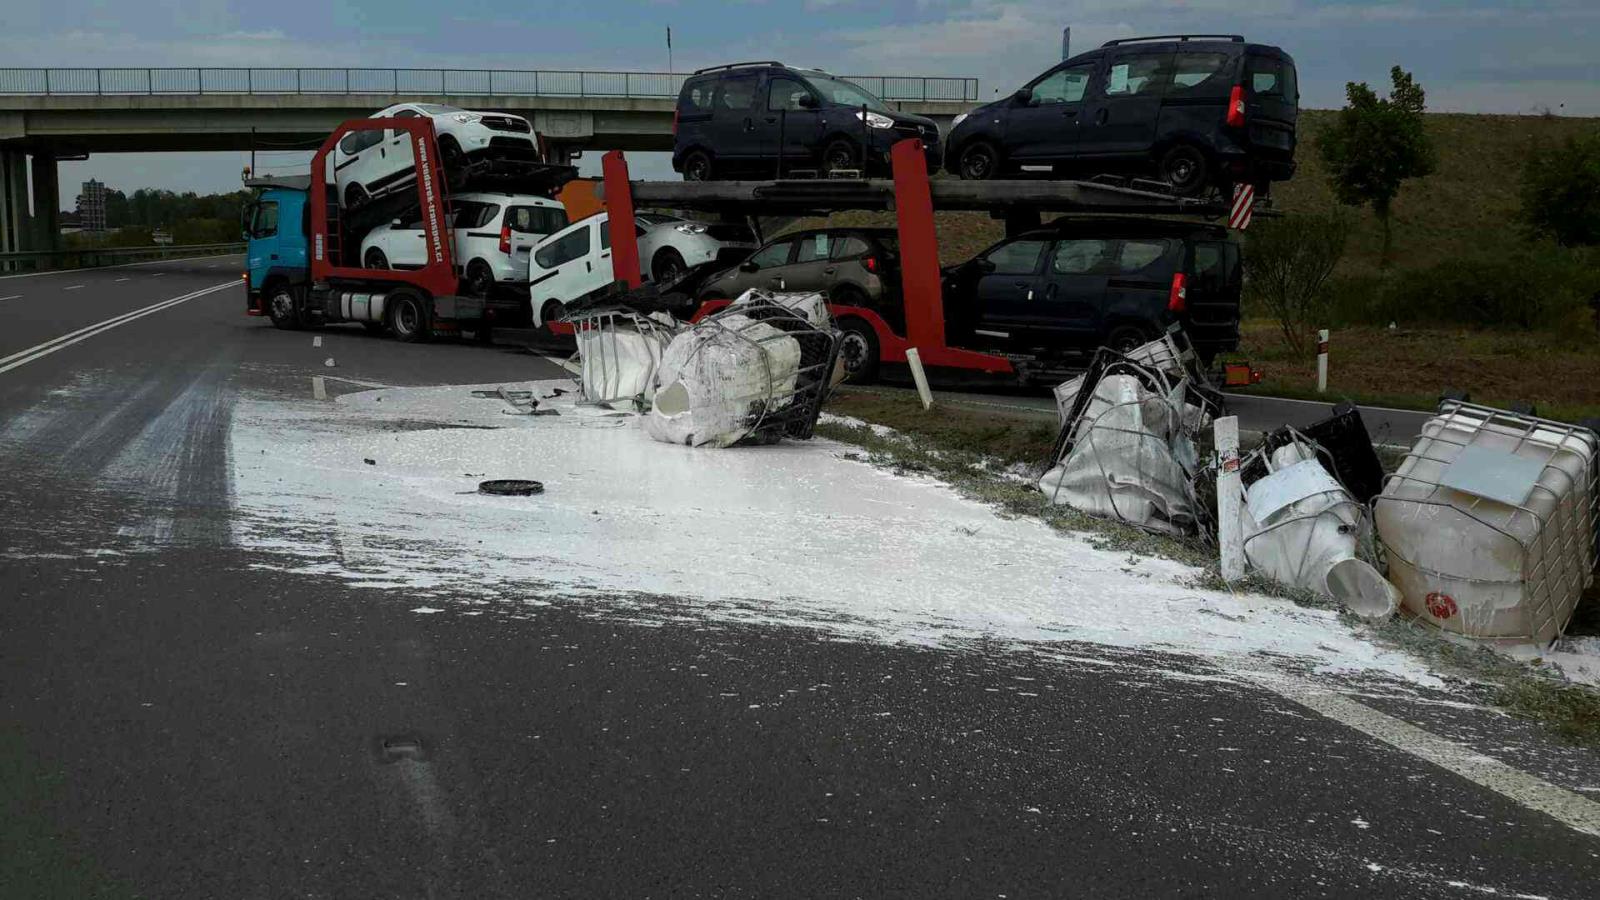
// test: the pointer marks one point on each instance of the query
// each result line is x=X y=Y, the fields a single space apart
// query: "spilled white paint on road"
x=792 y=534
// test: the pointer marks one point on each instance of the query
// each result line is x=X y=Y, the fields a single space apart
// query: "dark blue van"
x=767 y=120
x=1196 y=111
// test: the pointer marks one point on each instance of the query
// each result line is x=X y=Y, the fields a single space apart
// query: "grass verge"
x=1410 y=368
x=995 y=458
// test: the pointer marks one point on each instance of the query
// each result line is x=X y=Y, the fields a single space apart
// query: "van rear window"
x=696 y=96
x=1271 y=77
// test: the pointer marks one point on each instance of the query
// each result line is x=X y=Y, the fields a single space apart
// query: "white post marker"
x=319 y=388
x=914 y=359
x=1230 y=499
x=1322 y=361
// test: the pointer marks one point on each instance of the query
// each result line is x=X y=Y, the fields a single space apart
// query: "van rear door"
x=1272 y=101
x=1215 y=283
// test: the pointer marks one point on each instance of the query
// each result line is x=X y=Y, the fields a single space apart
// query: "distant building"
x=92 y=207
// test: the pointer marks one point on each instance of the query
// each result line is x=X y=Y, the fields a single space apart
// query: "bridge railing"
x=458 y=82
x=92 y=257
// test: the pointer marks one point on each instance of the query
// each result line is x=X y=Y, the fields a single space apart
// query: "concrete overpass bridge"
x=50 y=114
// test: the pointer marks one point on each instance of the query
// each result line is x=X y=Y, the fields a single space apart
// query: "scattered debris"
x=1489 y=523
x=511 y=487
x=756 y=371
x=328 y=362
x=619 y=353
x=1303 y=529
x=370 y=462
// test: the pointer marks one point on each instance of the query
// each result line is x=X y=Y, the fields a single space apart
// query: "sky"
x=1471 y=55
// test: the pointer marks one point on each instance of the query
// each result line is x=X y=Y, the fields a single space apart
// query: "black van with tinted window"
x=1064 y=290
x=1197 y=111
x=754 y=119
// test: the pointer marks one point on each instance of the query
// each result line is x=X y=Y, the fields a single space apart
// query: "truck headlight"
x=466 y=118
x=875 y=120
x=690 y=228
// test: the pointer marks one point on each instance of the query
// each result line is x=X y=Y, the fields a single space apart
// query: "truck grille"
x=506 y=123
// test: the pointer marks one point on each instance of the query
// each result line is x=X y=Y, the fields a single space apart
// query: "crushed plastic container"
x=1302 y=528
x=1489 y=523
x=756 y=371
x=1128 y=454
x=619 y=353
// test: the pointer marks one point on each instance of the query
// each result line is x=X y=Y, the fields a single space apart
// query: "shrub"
x=1561 y=191
x=1288 y=263
x=1537 y=286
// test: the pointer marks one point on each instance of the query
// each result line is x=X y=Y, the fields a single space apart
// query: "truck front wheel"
x=408 y=317
x=283 y=305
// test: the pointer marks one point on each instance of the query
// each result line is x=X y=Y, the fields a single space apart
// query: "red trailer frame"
x=921 y=289
x=438 y=276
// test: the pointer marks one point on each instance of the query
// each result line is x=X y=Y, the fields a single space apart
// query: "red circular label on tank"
x=1441 y=606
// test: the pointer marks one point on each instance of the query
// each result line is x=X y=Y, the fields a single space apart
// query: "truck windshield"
x=845 y=93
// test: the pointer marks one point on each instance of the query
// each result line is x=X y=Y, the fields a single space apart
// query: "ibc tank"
x=1489 y=523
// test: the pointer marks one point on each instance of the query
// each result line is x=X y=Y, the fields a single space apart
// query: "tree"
x=1375 y=145
x=1561 y=191
x=1288 y=263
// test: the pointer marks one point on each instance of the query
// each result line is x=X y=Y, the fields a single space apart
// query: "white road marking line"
x=316 y=341
x=72 y=287
x=319 y=388
x=23 y=357
x=1570 y=809
x=123 y=278
x=148 y=262
x=357 y=383
x=159 y=275
x=12 y=297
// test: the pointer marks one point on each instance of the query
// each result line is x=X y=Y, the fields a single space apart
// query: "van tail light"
x=505 y=238
x=1178 y=299
x=871 y=263
x=1236 y=107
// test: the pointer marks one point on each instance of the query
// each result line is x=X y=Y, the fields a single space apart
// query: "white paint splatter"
x=790 y=534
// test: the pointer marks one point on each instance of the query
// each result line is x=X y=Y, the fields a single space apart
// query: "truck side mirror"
x=1023 y=96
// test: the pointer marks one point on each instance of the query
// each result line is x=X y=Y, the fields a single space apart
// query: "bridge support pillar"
x=20 y=228
x=46 y=203
x=15 y=222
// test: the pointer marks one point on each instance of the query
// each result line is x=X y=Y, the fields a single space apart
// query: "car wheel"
x=1185 y=170
x=1125 y=338
x=408 y=317
x=355 y=197
x=375 y=259
x=480 y=278
x=552 y=311
x=667 y=267
x=980 y=161
x=858 y=347
x=842 y=154
x=454 y=162
x=283 y=307
x=697 y=166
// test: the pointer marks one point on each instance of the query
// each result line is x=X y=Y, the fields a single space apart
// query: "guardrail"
x=92 y=257
x=487 y=82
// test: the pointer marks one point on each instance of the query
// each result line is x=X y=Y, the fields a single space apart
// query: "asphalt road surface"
x=179 y=719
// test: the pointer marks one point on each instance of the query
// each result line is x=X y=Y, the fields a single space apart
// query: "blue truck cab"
x=276 y=225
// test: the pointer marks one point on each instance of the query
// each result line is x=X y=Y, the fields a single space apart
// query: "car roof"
x=506 y=196
x=1190 y=42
